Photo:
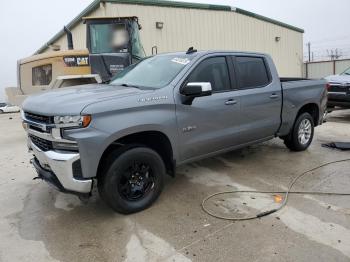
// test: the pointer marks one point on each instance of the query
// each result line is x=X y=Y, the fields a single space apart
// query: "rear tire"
x=1 y=112
x=133 y=179
x=302 y=133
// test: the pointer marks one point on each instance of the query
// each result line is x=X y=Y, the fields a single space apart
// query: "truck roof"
x=205 y=52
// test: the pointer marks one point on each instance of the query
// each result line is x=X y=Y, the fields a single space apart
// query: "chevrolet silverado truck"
x=165 y=111
x=339 y=90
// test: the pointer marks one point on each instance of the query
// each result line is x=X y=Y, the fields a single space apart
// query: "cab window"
x=251 y=72
x=213 y=70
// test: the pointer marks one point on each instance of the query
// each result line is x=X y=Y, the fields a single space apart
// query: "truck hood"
x=338 y=78
x=72 y=100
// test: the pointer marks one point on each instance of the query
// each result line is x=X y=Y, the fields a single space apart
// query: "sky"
x=27 y=25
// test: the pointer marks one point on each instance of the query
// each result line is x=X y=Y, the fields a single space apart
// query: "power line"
x=330 y=45
x=330 y=52
x=336 y=38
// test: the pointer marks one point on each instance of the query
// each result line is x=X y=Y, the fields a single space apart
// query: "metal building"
x=200 y=25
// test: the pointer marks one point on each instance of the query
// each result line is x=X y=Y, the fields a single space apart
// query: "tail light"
x=328 y=86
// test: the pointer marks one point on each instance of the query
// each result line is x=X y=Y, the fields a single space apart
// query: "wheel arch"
x=311 y=108
x=156 y=140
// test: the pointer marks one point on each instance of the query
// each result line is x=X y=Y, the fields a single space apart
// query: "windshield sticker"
x=182 y=61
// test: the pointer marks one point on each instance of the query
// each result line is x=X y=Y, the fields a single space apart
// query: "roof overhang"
x=107 y=17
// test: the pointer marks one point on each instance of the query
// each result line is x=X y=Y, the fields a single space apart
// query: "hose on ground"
x=285 y=200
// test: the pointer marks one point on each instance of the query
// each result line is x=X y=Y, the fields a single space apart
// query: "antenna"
x=191 y=50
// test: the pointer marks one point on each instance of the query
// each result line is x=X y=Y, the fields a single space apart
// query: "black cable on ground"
x=285 y=200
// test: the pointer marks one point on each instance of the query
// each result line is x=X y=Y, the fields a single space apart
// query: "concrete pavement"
x=39 y=224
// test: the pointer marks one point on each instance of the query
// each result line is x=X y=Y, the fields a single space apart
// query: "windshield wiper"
x=128 y=85
x=134 y=86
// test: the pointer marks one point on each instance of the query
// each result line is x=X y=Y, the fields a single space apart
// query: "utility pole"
x=309 y=50
x=334 y=54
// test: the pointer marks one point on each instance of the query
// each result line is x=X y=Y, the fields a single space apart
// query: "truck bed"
x=296 y=90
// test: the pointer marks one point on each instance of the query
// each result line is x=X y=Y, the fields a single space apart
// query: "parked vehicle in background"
x=8 y=108
x=339 y=90
x=162 y=112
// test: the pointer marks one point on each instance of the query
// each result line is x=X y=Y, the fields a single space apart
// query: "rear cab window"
x=252 y=72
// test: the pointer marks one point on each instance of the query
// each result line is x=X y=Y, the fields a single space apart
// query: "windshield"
x=346 y=72
x=108 y=38
x=153 y=72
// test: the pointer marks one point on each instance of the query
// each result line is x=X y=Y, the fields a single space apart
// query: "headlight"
x=72 y=121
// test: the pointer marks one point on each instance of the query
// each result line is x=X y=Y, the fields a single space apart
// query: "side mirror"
x=195 y=89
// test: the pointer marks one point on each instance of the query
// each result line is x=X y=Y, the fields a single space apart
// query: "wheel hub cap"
x=304 y=132
x=136 y=182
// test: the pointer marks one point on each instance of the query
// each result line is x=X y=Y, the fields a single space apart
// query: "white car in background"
x=8 y=108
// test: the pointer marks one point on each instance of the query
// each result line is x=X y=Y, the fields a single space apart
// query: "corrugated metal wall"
x=341 y=66
x=206 y=29
x=326 y=68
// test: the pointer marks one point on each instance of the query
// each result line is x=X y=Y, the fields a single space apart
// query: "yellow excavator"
x=113 y=43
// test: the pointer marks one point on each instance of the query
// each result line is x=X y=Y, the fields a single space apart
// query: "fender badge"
x=151 y=99
x=188 y=129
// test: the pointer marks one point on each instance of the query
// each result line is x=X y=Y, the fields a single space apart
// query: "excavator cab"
x=113 y=44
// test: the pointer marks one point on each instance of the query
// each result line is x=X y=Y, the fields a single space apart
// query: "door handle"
x=274 y=96
x=231 y=102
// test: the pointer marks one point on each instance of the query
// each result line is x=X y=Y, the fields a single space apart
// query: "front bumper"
x=56 y=168
x=339 y=99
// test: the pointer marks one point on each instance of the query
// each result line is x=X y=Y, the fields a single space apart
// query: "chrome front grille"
x=39 y=118
x=339 y=88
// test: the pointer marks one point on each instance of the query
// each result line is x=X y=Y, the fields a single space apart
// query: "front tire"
x=133 y=180
x=302 y=133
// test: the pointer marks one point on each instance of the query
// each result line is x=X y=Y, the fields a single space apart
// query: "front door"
x=211 y=123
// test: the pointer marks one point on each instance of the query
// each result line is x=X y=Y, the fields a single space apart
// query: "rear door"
x=261 y=98
x=210 y=123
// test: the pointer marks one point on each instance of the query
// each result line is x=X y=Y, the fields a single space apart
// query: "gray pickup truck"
x=165 y=111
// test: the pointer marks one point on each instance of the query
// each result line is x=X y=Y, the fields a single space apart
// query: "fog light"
x=65 y=146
